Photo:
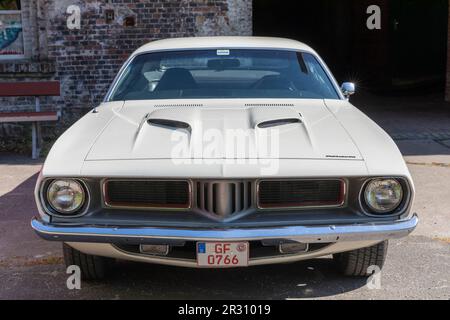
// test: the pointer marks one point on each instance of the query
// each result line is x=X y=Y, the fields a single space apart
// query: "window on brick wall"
x=11 y=35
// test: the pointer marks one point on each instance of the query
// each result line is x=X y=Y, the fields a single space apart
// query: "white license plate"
x=222 y=254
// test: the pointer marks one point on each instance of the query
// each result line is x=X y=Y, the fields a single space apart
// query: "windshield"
x=224 y=73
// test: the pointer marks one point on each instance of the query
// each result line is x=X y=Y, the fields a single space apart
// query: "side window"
x=11 y=35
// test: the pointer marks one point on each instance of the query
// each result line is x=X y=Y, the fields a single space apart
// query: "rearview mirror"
x=348 y=88
x=223 y=64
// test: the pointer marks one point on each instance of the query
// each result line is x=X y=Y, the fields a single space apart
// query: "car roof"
x=223 y=42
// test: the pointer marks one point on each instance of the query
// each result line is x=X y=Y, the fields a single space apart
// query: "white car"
x=223 y=152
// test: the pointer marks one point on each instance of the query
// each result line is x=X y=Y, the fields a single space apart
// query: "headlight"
x=66 y=196
x=383 y=195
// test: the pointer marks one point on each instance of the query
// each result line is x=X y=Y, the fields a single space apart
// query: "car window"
x=224 y=73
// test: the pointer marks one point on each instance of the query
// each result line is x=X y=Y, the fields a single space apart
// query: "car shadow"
x=301 y=280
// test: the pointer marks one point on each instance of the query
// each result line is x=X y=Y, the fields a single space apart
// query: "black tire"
x=91 y=267
x=357 y=262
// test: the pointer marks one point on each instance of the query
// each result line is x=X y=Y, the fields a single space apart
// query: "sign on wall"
x=11 y=35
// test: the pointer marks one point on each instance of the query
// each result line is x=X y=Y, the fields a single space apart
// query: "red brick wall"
x=88 y=59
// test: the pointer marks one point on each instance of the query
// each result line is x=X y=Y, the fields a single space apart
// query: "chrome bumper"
x=306 y=234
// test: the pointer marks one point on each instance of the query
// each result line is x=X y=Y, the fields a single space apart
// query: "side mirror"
x=348 y=88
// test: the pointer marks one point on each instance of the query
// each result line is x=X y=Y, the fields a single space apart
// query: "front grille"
x=147 y=193
x=223 y=198
x=300 y=193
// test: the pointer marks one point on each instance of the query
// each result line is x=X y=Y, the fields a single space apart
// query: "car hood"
x=223 y=129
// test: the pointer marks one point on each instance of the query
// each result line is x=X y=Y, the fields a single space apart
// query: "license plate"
x=222 y=254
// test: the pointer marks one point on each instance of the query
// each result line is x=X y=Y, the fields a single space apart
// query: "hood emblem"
x=340 y=156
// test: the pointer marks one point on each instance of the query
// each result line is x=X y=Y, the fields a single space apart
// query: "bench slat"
x=28 y=116
x=27 y=89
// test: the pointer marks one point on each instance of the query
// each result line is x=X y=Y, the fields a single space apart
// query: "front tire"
x=357 y=262
x=92 y=267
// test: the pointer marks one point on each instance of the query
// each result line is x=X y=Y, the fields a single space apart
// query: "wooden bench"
x=31 y=89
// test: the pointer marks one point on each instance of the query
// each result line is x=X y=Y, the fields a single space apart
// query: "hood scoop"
x=169 y=124
x=262 y=118
x=264 y=132
x=278 y=122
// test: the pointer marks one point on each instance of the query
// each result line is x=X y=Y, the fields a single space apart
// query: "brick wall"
x=86 y=60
